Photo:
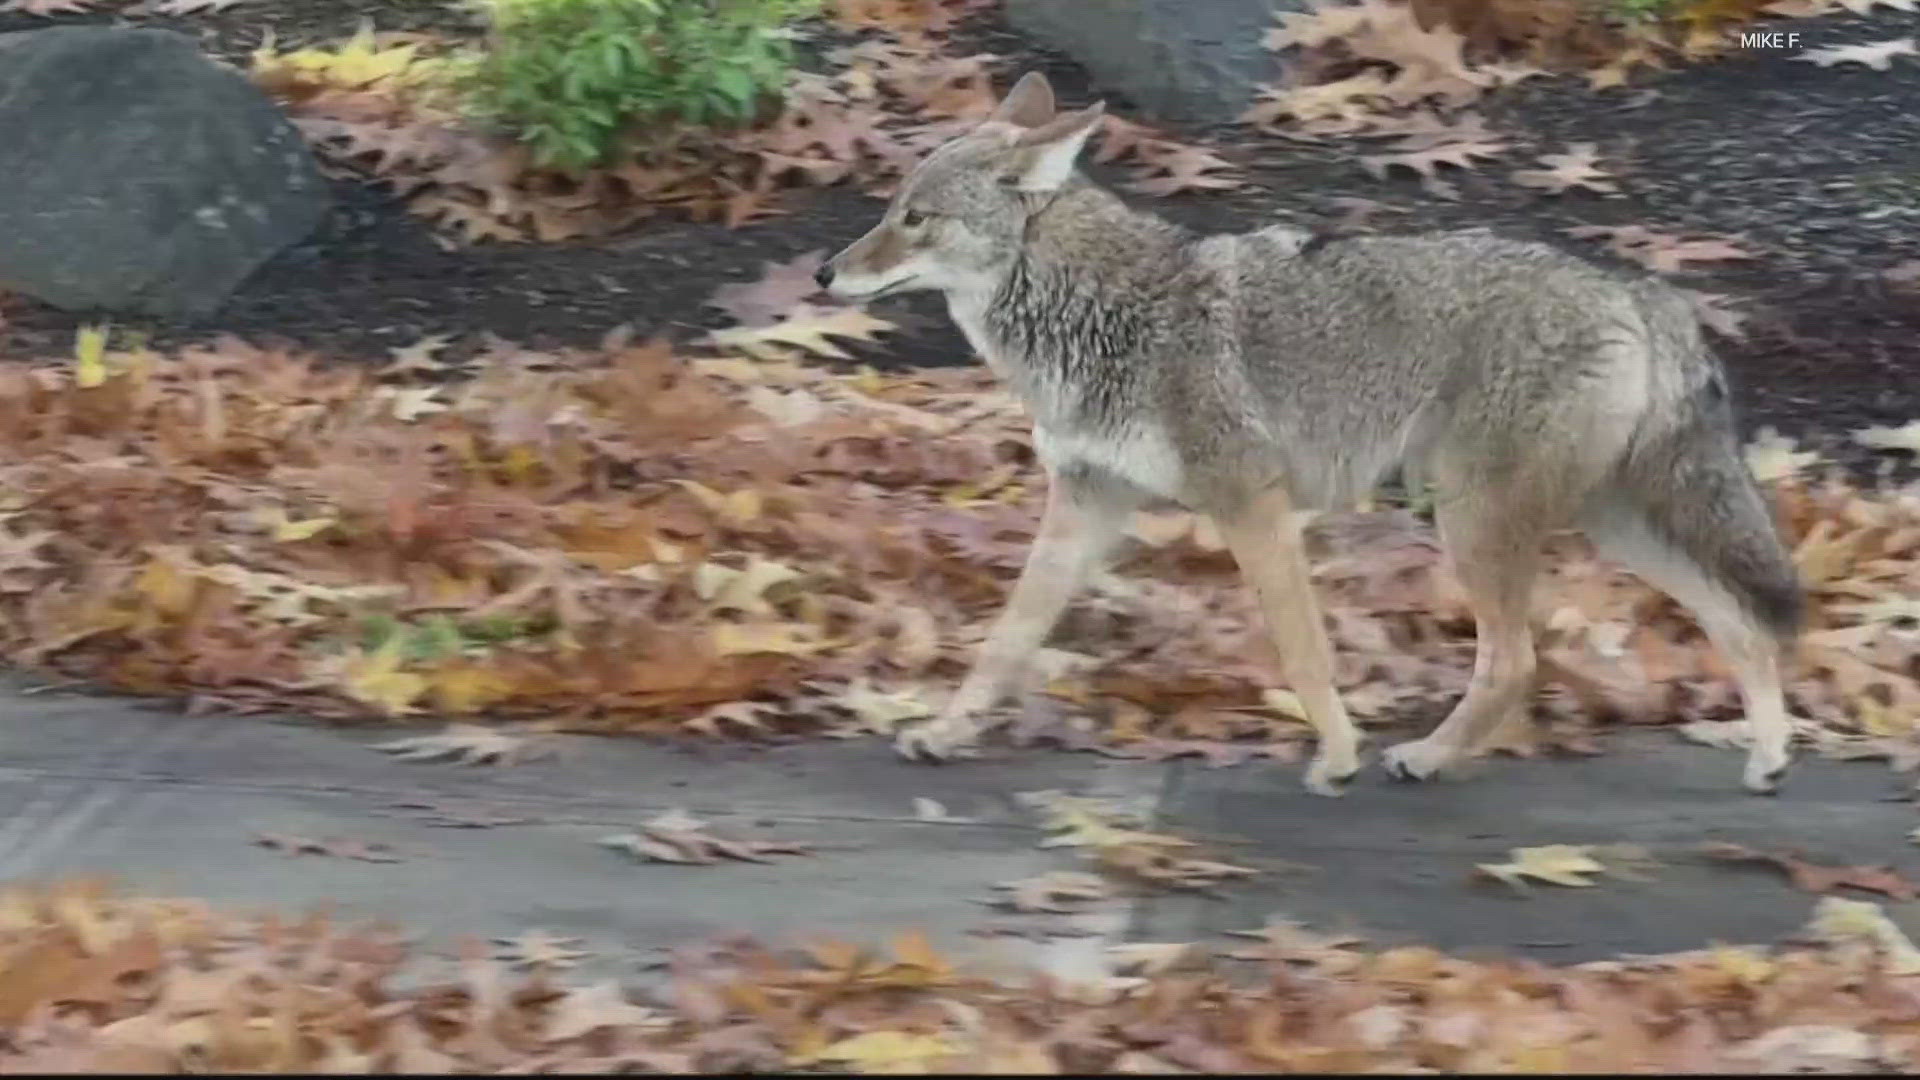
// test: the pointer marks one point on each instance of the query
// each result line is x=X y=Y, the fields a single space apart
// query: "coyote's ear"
x=1029 y=104
x=1043 y=157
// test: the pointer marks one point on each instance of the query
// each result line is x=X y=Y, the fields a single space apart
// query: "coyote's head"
x=957 y=219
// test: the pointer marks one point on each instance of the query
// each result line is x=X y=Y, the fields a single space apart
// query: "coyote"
x=1253 y=376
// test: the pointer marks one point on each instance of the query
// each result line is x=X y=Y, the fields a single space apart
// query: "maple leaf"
x=188 y=7
x=358 y=63
x=1290 y=942
x=1576 y=168
x=1878 y=55
x=1904 y=437
x=47 y=7
x=475 y=222
x=1840 y=921
x=1817 y=878
x=1186 y=168
x=1557 y=864
x=745 y=590
x=808 y=328
x=881 y=712
x=1772 y=456
x=584 y=1010
x=1057 y=891
x=467 y=744
x=1716 y=314
x=677 y=837
x=887 y=1052
x=539 y=949
x=1426 y=161
x=419 y=358
x=779 y=290
x=375 y=679
x=779 y=639
x=1153 y=957
x=410 y=403
x=1661 y=252
x=340 y=849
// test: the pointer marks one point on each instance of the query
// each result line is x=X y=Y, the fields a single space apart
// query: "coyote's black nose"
x=823 y=277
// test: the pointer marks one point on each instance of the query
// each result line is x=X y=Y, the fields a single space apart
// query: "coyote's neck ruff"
x=1060 y=313
x=1248 y=376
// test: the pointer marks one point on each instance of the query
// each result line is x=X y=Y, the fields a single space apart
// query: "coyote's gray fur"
x=1253 y=376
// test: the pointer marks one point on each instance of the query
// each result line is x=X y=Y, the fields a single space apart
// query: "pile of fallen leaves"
x=1407 y=72
x=739 y=542
x=90 y=982
x=376 y=106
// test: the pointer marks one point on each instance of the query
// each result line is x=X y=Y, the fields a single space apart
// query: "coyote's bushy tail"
x=1687 y=476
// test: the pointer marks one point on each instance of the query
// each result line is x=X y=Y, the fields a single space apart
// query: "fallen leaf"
x=1816 y=878
x=810 y=329
x=889 y=1052
x=780 y=289
x=1556 y=864
x=339 y=849
x=581 y=1011
x=467 y=744
x=676 y=837
x=1878 y=55
x=1904 y=437
x=539 y=949
x=1058 y=891
x=1578 y=167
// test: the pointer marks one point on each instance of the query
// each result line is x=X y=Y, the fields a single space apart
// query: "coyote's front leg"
x=1265 y=539
x=1080 y=526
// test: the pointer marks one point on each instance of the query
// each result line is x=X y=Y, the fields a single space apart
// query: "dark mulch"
x=1818 y=169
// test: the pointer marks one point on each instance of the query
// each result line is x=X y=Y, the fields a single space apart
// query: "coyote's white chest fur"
x=1139 y=452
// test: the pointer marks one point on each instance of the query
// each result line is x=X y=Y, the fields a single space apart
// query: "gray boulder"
x=1198 y=61
x=141 y=177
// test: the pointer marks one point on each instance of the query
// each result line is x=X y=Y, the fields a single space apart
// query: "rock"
x=1196 y=61
x=141 y=176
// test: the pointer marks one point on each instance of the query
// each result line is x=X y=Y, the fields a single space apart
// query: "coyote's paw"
x=1421 y=759
x=1765 y=770
x=1330 y=776
x=940 y=739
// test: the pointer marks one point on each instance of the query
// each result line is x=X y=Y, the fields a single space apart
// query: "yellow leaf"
x=1744 y=965
x=976 y=490
x=737 y=507
x=789 y=639
x=1019 y=1059
x=727 y=589
x=90 y=356
x=881 y=712
x=811 y=330
x=1538 y=1060
x=895 y=1053
x=168 y=587
x=913 y=948
x=305 y=529
x=521 y=464
x=467 y=688
x=357 y=64
x=1881 y=720
x=376 y=679
x=1557 y=864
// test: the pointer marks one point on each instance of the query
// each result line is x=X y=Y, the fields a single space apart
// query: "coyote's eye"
x=913 y=219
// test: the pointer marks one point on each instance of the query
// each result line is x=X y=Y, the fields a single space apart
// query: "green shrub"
x=569 y=77
x=1646 y=10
